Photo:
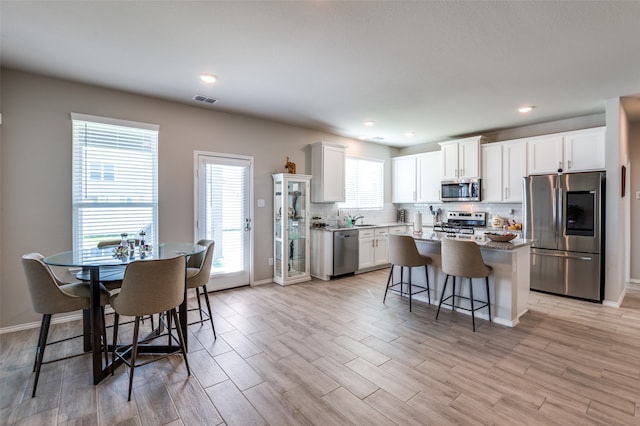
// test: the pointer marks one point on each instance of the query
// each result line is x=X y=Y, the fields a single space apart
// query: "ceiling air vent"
x=205 y=99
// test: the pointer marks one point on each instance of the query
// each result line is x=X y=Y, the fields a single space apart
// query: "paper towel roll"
x=417 y=223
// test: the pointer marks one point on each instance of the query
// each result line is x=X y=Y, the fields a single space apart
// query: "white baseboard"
x=263 y=282
x=617 y=303
x=36 y=324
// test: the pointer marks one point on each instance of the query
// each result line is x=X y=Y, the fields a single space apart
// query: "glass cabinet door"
x=296 y=229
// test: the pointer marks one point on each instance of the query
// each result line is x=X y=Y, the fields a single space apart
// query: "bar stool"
x=404 y=253
x=49 y=297
x=463 y=259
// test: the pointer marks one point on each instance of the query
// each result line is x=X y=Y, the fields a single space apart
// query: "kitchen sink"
x=363 y=225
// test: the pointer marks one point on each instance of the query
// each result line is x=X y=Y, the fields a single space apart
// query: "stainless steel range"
x=462 y=222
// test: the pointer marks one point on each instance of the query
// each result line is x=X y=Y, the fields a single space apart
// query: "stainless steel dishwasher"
x=345 y=251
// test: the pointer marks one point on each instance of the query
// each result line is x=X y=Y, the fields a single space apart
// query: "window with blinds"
x=364 y=183
x=114 y=178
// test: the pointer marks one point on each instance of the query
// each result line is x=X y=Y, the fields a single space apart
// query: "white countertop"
x=377 y=225
x=481 y=240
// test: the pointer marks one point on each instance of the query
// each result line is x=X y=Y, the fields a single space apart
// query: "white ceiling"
x=439 y=69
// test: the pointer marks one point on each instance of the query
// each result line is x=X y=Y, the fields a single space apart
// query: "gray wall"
x=634 y=186
x=36 y=168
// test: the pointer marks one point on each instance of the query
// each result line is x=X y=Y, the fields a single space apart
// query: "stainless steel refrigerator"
x=564 y=214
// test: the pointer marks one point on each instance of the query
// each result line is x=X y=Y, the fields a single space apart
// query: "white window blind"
x=223 y=210
x=364 y=182
x=115 y=180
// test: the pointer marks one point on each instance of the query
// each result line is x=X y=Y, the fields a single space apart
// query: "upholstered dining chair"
x=198 y=274
x=49 y=296
x=464 y=259
x=149 y=287
x=404 y=253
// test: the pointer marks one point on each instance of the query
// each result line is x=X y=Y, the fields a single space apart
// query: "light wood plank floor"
x=330 y=353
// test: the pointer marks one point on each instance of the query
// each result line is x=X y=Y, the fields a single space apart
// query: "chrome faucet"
x=355 y=218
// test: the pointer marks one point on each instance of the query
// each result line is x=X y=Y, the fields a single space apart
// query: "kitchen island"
x=508 y=282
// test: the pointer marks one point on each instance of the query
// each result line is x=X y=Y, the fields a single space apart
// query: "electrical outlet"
x=271 y=261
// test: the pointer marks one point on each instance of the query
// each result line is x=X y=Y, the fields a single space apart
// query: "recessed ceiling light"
x=208 y=78
x=525 y=109
x=362 y=137
x=409 y=134
x=369 y=123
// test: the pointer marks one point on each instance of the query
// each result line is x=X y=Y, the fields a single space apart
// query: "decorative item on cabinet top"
x=290 y=167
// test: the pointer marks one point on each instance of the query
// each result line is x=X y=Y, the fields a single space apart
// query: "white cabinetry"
x=400 y=229
x=503 y=167
x=461 y=158
x=328 y=170
x=429 y=166
x=585 y=150
x=291 y=228
x=404 y=174
x=577 y=151
x=416 y=178
x=373 y=247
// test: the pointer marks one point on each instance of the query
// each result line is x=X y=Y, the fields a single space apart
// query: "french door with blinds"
x=223 y=214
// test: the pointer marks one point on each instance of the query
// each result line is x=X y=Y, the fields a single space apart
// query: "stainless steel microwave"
x=460 y=190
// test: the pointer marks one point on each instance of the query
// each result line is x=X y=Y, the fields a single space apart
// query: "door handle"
x=247 y=224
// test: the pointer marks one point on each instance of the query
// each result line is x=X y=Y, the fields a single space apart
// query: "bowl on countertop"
x=501 y=238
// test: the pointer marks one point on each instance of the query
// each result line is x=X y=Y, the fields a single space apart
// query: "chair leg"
x=134 y=354
x=488 y=298
x=168 y=316
x=426 y=274
x=199 y=304
x=473 y=314
x=206 y=299
x=116 y=322
x=444 y=289
x=389 y=281
x=46 y=322
x=181 y=338
x=410 y=291
x=453 y=295
x=105 y=344
x=39 y=345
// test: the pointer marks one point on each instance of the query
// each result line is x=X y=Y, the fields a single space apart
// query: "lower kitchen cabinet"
x=373 y=247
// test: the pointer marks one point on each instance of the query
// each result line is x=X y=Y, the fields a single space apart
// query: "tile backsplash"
x=329 y=212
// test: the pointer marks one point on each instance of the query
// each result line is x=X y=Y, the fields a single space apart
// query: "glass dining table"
x=95 y=261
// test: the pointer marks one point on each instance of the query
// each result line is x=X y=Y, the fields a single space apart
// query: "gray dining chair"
x=149 y=287
x=464 y=259
x=49 y=297
x=404 y=253
x=198 y=275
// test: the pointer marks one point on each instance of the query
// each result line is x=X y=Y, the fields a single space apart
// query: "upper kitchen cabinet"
x=416 y=178
x=429 y=166
x=576 y=151
x=404 y=176
x=503 y=167
x=584 y=150
x=328 y=171
x=461 y=158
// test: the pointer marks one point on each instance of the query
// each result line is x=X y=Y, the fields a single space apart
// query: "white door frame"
x=196 y=195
